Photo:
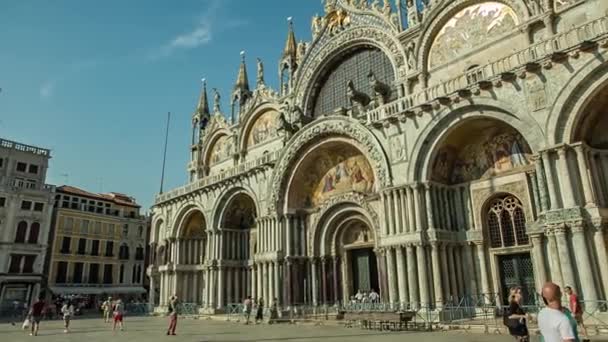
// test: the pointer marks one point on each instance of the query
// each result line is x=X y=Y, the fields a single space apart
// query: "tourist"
x=118 y=315
x=259 y=315
x=553 y=324
x=374 y=297
x=247 y=305
x=173 y=312
x=576 y=309
x=36 y=315
x=106 y=306
x=67 y=310
x=274 y=312
x=359 y=296
x=515 y=317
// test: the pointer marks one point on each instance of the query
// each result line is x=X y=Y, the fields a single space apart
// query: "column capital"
x=380 y=251
x=577 y=226
x=478 y=243
x=561 y=151
x=560 y=229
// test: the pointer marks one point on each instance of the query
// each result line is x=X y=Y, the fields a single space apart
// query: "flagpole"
x=162 y=176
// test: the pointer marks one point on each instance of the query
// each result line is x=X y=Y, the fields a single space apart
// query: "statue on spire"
x=260 y=78
x=216 y=101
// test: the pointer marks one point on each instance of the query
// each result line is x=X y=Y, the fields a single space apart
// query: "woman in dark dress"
x=259 y=315
x=517 y=319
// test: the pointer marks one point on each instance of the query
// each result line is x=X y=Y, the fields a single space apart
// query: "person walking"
x=553 y=324
x=576 y=309
x=106 y=306
x=515 y=316
x=67 y=310
x=36 y=315
x=247 y=304
x=274 y=311
x=173 y=312
x=259 y=315
x=118 y=315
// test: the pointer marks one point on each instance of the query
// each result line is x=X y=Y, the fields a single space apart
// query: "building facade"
x=432 y=153
x=26 y=204
x=98 y=245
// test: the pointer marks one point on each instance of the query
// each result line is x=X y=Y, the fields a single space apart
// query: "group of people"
x=113 y=312
x=364 y=297
x=248 y=304
x=555 y=322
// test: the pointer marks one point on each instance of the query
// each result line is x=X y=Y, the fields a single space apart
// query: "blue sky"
x=93 y=80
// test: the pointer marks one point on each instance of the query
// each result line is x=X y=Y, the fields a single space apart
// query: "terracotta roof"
x=111 y=197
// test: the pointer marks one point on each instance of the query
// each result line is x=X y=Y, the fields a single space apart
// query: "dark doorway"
x=365 y=270
x=516 y=270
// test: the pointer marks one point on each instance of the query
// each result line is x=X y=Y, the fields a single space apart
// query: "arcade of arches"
x=312 y=201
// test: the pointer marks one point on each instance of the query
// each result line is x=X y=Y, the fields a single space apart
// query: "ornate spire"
x=242 y=82
x=203 y=103
x=291 y=47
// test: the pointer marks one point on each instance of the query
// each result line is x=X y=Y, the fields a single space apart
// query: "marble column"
x=412 y=274
x=564 y=256
x=336 y=261
x=221 y=273
x=445 y=279
x=386 y=206
x=435 y=263
x=271 y=276
x=596 y=179
x=315 y=282
x=565 y=181
x=403 y=209
x=583 y=166
x=277 y=280
x=382 y=277
x=229 y=282
x=401 y=278
x=583 y=264
x=539 y=261
x=599 y=243
x=422 y=275
x=417 y=208
x=459 y=271
x=470 y=266
x=452 y=271
x=429 y=207
x=259 y=280
x=546 y=159
x=390 y=273
x=289 y=286
x=411 y=217
x=556 y=270
x=542 y=185
x=535 y=195
x=483 y=271
x=152 y=294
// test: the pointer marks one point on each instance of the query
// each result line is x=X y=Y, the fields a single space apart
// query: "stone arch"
x=323 y=128
x=323 y=54
x=222 y=205
x=212 y=141
x=157 y=226
x=444 y=11
x=568 y=109
x=183 y=214
x=332 y=212
x=430 y=139
x=250 y=122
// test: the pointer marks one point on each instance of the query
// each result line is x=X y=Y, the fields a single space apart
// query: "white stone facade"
x=475 y=162
x=26 y=205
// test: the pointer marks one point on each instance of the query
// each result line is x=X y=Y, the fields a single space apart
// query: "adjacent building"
x=26 y=204
x=97 y=244
x=436 y=153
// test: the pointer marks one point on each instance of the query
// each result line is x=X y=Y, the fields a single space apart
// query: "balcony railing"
x=206 y=181
x=585 y=33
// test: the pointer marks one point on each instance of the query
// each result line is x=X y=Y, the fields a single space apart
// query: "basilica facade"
x=432 y=152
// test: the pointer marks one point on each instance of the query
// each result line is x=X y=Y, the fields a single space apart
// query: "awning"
x=85 y=290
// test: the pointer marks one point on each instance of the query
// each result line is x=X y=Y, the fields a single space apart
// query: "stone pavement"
x=152 y=329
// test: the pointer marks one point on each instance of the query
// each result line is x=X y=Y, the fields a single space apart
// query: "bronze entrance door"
x=516 y=270
x=365 y=270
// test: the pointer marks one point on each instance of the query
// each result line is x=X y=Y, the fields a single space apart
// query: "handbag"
x=26 y=324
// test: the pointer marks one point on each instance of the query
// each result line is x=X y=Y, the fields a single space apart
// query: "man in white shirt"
x=554 y=325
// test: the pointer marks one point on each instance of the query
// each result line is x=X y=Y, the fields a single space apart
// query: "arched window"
x=506 y=223
x=21 y=232
x=34 y=231
x=356 y=67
